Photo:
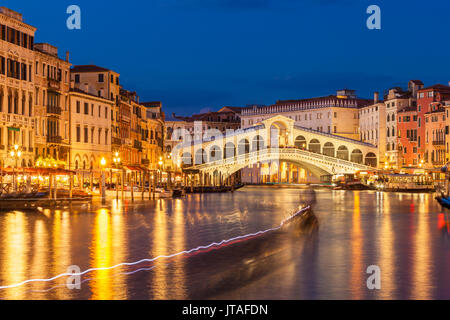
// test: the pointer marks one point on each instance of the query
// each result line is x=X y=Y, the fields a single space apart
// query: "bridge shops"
x=276 y=172
x=276 y=151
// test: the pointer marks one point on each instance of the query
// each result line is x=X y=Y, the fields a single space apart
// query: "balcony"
x=54 y=139
x=145 y=162
x=54 y=84
x=54 y=110
x=116 y=141
x=439 y=144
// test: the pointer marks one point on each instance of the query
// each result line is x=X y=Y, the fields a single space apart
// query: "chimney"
x=376 y=97
x=67 y=56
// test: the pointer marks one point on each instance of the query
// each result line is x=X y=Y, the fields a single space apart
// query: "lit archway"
x=300 y=142
x=356 y=156
x=314 y=146
x=371 y=160
x=328 y=149
x=342 y=153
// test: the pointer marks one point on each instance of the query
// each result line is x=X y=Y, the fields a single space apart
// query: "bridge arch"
x=257 y=143
x=300 y=142
x=371 y=160
x=314 y=146
x=215 y=153
x=357 y=156
x=342 y=153
x=230 y=150
x=243 y=146
x=186 y=158
x=200 y=156
x=328 y=149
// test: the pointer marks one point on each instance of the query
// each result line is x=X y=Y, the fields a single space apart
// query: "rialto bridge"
x=275 y=140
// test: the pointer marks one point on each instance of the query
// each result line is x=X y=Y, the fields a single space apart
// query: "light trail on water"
x=185 y=252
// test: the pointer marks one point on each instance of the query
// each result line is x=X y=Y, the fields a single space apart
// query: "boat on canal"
x=398 y=182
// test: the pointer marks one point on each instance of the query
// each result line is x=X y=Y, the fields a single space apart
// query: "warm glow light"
x=103 y=162
x=16 y=147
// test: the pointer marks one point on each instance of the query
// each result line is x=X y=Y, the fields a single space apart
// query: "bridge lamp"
x=103 y=162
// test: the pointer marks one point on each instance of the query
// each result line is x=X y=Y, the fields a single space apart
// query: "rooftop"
x=88 y=68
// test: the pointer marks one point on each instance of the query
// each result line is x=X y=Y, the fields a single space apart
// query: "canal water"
x=323 y=257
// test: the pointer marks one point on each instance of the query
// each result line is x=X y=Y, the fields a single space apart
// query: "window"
x=78 y=134
x=86 y=135
x=101 y=77
x=78 y=107
x=86 y=108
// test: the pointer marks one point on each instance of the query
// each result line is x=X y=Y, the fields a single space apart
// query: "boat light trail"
x=185 y=252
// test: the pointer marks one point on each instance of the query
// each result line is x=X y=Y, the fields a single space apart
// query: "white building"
x=89 y=130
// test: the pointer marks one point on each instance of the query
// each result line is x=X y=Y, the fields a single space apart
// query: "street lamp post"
x=15 y=154
x=102 y=182
x=116 y=160
x=160 y=164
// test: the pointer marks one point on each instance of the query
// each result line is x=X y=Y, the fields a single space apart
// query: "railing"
x=116 y=141
x=439 y=143
x=54 y=139
x=243 y=158
x=145 y=162
x=54 y=84
x=334 y=136
x=54 y=110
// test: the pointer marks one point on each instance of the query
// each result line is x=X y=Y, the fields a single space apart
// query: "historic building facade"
x=52 y=84
x=89 y=130
x=335 y=114
x=17 y=58
x=372 y=126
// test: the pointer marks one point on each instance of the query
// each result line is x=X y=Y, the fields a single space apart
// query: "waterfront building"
x=397 y=99
x=154 y=144
x=17 y=58
x=334 y=114
x=372 y=126
x=427 y=101
x=435 y=155
x=51 y=107
x=104 y=83
x=90 y=129
x=407 y=140
x=197 y=125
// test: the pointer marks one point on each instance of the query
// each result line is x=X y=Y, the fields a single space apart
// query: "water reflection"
x=402 y=233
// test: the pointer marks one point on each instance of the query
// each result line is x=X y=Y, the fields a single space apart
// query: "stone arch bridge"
x=276 y=139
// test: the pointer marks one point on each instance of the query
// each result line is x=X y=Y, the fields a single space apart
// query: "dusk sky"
x=195 y=55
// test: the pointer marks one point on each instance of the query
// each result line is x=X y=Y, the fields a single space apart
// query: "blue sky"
x=203 y=54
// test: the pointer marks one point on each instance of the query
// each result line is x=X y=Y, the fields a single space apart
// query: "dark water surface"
x=403 y=234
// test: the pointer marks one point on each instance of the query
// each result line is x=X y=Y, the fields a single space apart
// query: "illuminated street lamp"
x=102 y=182
x=15 y=154
x=160 y=168
x=116 y=159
